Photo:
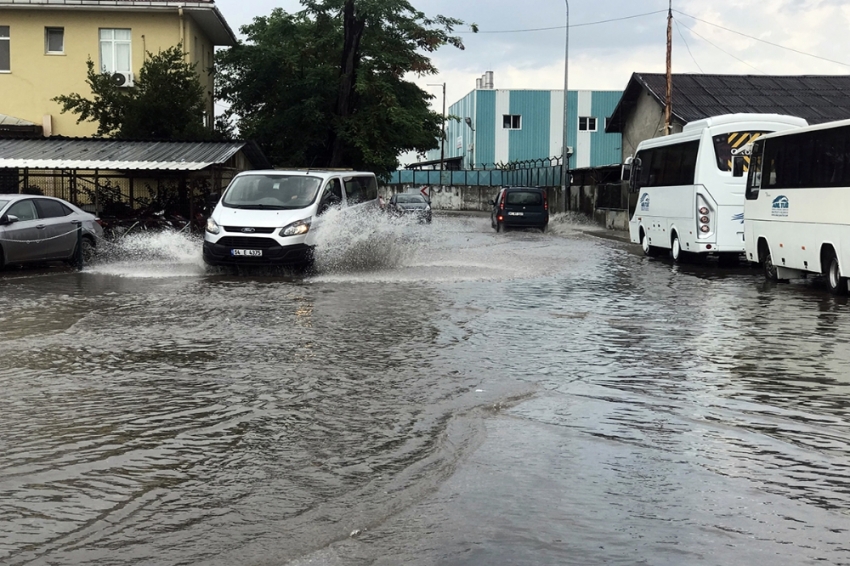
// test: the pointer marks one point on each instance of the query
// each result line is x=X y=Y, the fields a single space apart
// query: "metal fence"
x=538 y=172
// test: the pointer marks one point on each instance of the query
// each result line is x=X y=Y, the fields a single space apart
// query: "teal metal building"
x=503 y=126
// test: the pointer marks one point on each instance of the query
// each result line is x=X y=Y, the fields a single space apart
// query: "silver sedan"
x=36 y=229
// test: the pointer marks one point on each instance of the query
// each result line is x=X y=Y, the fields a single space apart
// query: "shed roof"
x=123 y=155
x=817 y=98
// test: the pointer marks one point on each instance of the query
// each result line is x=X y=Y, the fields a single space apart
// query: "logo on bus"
x=738 y=217
x=644 y=202
x=780 y=206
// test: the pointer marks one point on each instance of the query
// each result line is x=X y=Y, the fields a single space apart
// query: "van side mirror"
x=738 y=166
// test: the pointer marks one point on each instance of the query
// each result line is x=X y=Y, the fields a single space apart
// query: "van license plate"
x=247 y=252
x=515 y=213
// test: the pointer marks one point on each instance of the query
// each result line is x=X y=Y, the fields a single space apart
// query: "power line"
x=572 y=25
x=721 y=49
x=688 y=47
x=762 y=40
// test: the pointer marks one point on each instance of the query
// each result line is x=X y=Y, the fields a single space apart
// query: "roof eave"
x=206 y=14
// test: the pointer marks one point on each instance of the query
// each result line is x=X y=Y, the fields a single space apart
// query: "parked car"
x=36 y=229
x=520 y=207
x=404 y=204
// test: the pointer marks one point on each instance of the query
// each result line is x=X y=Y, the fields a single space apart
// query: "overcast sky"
x=603 y=56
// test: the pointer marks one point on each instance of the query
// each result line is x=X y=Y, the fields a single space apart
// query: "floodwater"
x=430 y=395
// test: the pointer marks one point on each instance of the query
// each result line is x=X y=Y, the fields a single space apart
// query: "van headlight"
x=212 y=226
x=296 y=228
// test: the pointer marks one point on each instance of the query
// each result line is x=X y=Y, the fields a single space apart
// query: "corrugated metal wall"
x=605 y=149
x=531 y=141
x=536 y=139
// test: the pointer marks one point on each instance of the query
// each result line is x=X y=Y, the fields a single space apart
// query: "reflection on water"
x=451 y=394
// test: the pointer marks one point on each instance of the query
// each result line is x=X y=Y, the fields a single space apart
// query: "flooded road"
x=431 y=395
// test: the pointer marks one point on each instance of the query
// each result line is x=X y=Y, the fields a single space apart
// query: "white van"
x=270 y=217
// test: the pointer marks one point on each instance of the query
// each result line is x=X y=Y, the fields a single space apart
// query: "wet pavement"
x=431 y=395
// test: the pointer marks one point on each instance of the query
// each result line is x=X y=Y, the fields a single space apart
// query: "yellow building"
x=44 y=46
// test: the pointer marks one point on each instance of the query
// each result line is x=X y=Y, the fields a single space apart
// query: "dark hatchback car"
x=410 y=204
x=520 y=207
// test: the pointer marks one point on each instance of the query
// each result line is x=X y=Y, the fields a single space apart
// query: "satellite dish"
x=119 y=79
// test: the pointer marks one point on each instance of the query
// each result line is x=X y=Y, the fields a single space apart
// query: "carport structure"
x=113 y=177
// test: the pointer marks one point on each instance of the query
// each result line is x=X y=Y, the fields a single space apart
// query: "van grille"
x=251 y=230
x=247 y=242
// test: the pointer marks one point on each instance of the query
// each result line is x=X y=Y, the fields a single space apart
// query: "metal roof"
x=817 y=98
x=121 y=155
x=12 y=121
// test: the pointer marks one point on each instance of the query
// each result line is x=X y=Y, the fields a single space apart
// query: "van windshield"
x=278 y=192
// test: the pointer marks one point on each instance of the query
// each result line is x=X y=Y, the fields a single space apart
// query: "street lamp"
x=442 y=138
x=565 y=167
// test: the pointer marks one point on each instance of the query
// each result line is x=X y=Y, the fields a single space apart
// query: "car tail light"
x=99 y=221
x=545 y=200
x=502 y=201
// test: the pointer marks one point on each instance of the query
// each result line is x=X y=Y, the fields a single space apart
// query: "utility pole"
x=668 y=107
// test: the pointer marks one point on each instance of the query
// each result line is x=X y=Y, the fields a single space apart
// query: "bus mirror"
x=626 y=172
x=634 y=174
x=738 y=166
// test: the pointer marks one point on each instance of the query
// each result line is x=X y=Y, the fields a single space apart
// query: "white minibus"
x=797 y=204
x=690 y=204
x=271 y=217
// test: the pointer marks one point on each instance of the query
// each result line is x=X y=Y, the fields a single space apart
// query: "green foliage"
x=167 y=101
x=325 y=86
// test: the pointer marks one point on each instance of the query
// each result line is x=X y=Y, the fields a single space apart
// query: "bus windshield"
x=725 y=143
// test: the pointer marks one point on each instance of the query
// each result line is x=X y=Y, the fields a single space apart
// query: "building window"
x=115 y=51
x=512 y=121
x=5 y=59
x=54 y=40
x=586 y=124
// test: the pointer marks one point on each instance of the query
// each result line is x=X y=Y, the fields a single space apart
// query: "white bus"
x=690 y=204
x=797 y=207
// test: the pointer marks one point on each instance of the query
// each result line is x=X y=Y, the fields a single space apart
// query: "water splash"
x=150 y=254
x=356 y=240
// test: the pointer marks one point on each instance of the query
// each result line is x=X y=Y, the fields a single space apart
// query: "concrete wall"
x=644 y=122
x=457 y=198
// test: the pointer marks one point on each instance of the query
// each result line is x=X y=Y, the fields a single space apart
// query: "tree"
x=167 y=101
x=325 y=86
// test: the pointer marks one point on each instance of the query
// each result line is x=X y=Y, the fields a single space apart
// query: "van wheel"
x=650 y=251
x=676 y=252
x=837 y=284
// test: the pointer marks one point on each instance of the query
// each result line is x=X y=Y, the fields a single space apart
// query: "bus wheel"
x=837 y=284
x=648 y=250
x=676 y=252
x=769 y=267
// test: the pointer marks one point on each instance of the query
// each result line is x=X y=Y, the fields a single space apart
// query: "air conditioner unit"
x=122 y=79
